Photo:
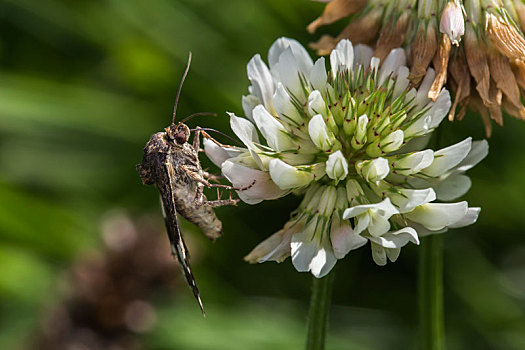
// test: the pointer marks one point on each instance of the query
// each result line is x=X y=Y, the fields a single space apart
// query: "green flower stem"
x=431 y=321
x=319 y=309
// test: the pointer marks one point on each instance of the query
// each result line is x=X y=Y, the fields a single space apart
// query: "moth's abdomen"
x=203 y=216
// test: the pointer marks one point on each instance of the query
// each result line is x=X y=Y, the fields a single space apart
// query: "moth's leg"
x=196 y=139
x=221 y=202
x=209 y=137
x=195 y=174
x=211 y=176
x=198 y=200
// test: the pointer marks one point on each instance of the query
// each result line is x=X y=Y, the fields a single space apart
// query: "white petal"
x=360 y=209
x=303 y=249
x=323 y=261
x=440 y=108
x=342 y=57
x=362 y=55
x=478 y=152
x=452 y=22
x=247 y=133
x=337 y=166
x=374 y=65
x=274 y=248
x=362 y=223
x=360 y=130
x=422 y=93
x=300 y=54
x=284 y=106
x=263 y=188
x=316 y=104
x=396 y=239
x=448 y=157
x=469 y=218
x=395 y=59
x=418 y=128
x=309 y=253
x=376 y=217
x=393 y=253
x=453 y=187
x=319 y=133
x=262 y=81
x=379 y=224
x=401 y=81
x=217 y=154
x=378 y=254
x=413 y=163
x=373 y=170
x=286 y=176
x=272 y=130
x=318 y=75
x=277 y=246
x=344 y=239
x=287 y=71
x=392 y=142
x=244 y=130
x=248 y=104
x=406 y=200
x=436 y=216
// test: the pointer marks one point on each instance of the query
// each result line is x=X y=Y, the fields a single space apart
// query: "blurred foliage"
x=83 y=84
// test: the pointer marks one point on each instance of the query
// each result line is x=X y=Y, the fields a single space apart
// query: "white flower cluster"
x=350 y=140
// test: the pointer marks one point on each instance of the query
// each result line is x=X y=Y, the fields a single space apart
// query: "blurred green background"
x=84 y=260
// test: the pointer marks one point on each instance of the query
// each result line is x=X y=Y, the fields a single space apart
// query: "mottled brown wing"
x=178 y=247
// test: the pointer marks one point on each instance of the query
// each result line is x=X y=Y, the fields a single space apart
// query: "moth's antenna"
x=195 y=115
x=220 y=132
x=180 y=88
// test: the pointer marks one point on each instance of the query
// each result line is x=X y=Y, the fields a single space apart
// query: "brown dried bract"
x=459 y=73
x=503 y=76
x=477 y=105
x=440 y=65
x=505 y=38
x=494 y=104
x=392 y=36
x=477 y=63
x=518 y=67
x=423 y=50
x=334 y=11
x=362 y=30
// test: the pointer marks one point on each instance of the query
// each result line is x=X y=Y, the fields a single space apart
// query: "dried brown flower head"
x=476 y=47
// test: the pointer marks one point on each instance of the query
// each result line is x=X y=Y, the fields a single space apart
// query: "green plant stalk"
x=431 y=319
x=319 y=309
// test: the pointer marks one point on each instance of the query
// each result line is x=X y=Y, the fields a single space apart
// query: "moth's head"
x=178 y=133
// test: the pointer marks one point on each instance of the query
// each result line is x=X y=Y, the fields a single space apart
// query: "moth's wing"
x=178 y=247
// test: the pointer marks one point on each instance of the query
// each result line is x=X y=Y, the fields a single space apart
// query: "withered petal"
x=334 y=11
x=505 y=38
x=324 y=45
x=494 y=106
x=503 y=76
x=423 y=50
x=392 y=36
x=477 y=63
x=440 y=65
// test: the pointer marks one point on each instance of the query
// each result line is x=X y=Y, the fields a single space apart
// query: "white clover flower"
x=347 y=139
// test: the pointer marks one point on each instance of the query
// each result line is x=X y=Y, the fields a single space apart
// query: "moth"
x=172 y=165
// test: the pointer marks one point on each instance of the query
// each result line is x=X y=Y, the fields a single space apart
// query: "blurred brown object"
x=107 y=297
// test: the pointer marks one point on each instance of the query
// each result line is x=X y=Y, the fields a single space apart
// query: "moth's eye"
x=180 y=137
